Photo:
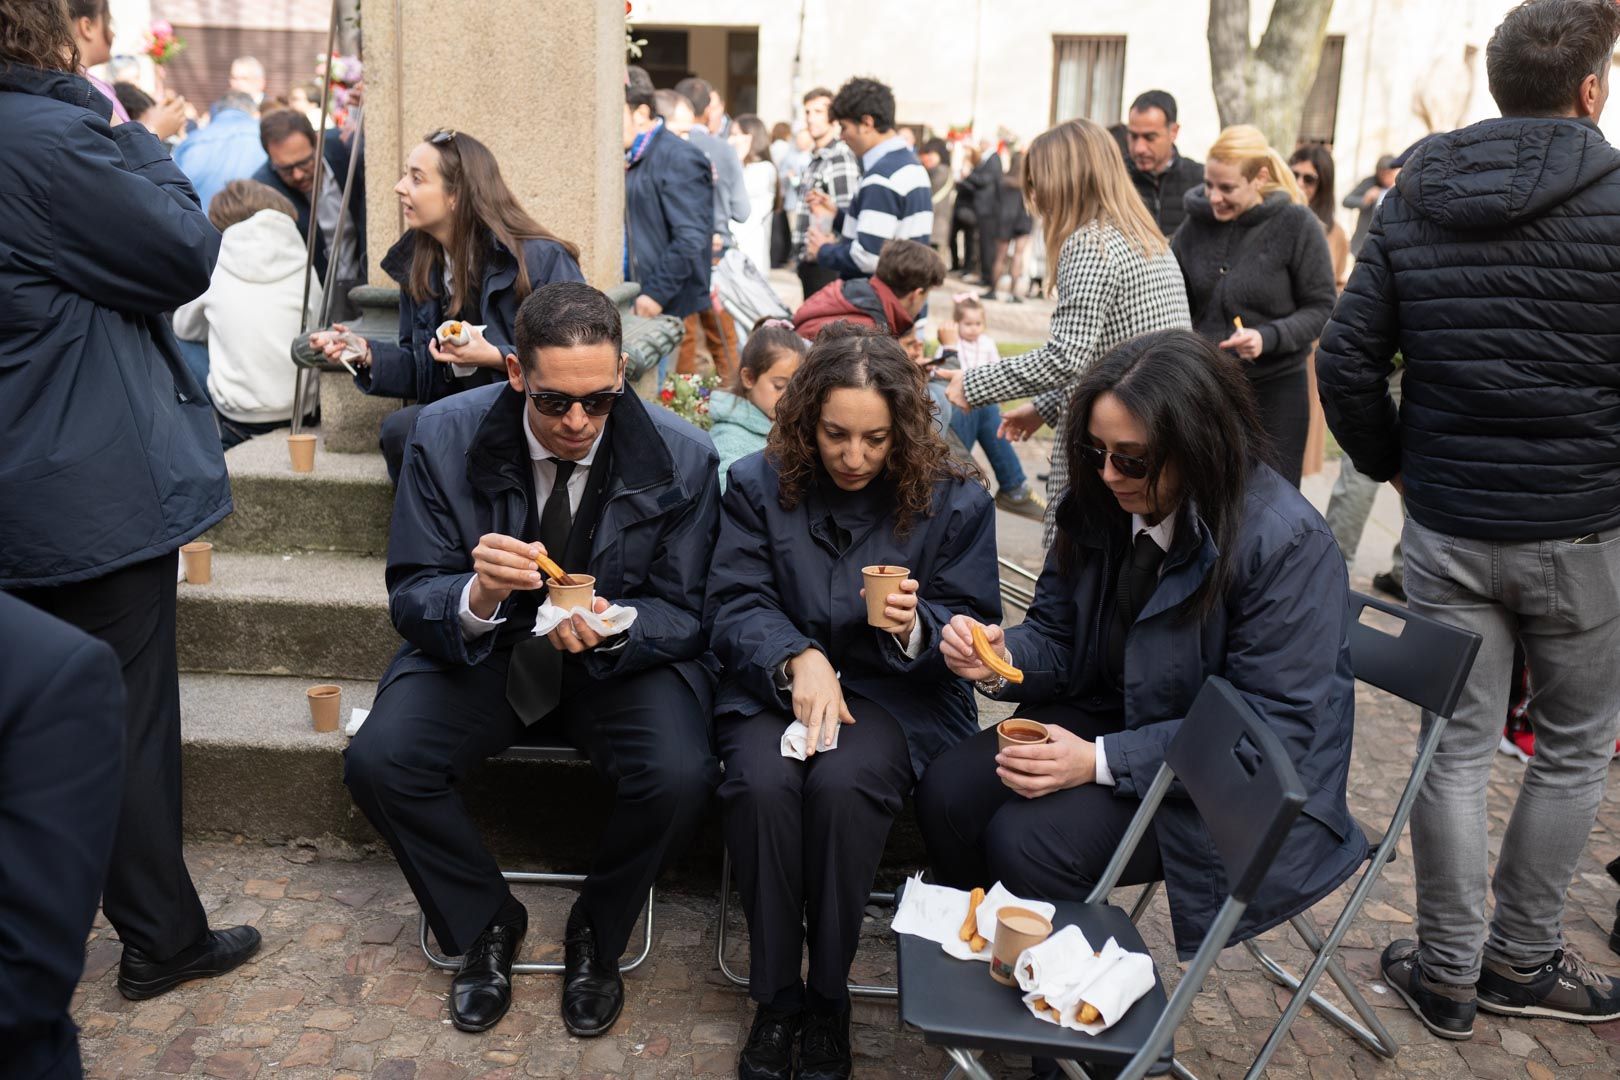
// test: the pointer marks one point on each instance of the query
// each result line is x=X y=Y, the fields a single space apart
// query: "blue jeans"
x=980 y=425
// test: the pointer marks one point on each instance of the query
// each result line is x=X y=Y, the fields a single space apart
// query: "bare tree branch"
x=1229 y=58
x=1266 y=86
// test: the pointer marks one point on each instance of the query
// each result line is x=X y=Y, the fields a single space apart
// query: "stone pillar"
x=540 y=82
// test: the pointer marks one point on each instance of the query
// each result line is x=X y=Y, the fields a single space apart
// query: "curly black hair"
x=865 y=97
x=849 y=357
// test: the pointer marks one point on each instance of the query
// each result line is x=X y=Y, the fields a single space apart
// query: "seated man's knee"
x=1013 y=851
x=376 y=761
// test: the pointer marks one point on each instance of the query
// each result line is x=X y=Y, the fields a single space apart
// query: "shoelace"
x=772 y=1030
x=821 y=1038
x=491 y=940
x=1574 y=964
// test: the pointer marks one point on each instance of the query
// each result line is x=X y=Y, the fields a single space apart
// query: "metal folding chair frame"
x=721 y=935
x=1017 y=585
x=522 y=877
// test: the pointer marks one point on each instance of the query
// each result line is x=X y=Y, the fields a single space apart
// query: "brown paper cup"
x=880 y=581
x=1017 y=929
x=198 y=558
x=1020 y=732
x=569 y=597
x=325 y=703
x=302 y=450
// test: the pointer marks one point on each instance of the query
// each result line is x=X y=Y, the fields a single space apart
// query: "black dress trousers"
x=979 y=831
x=806 y=838
x=647 y=733
x=148 y=897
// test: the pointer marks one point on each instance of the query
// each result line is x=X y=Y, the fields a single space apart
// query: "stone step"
x=319 y=614
x=344 y=505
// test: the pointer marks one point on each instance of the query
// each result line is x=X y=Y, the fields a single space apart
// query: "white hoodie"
x=249 y=317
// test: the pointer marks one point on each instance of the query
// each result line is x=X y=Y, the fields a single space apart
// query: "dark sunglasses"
x=551 y=403
x=1097 y=458
x=1307 y=178
x=296 y=167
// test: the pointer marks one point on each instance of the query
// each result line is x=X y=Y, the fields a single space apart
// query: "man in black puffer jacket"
x=1492 y=268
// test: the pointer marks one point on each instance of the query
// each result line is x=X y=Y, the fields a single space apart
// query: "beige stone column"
x=540 y=82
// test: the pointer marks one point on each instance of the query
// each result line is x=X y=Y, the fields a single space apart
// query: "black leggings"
x=979 y=831
x=1285 y=417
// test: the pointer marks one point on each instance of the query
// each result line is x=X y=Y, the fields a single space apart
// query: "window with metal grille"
x=1322 y=103
x=1088 y=78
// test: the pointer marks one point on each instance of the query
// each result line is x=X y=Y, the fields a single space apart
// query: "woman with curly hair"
x=824 y=721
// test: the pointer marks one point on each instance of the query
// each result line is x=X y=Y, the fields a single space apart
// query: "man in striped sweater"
x=894 y=201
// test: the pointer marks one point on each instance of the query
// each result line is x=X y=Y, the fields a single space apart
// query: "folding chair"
x=1017 y=585
x=1426 y=663
x=550 y=752
x=1239 y=776
x=722 y=936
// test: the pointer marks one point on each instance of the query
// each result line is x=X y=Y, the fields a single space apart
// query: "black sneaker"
x=824 y=1047
x=1566 y=987
x=769 y=1053
x=1446 y=1010
x=1390 y=585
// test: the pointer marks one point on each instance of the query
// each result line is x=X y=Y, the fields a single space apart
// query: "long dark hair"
x=1199 y=413
x=849 y=357
x=485 y=208
x=1318 y=158
x=37 y=34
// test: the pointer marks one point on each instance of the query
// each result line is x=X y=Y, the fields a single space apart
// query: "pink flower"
x=162 y=28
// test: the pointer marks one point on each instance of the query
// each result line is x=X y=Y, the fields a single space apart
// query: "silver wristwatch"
x=991 y=687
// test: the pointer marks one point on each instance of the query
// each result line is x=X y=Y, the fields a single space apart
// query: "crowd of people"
x=729 y=651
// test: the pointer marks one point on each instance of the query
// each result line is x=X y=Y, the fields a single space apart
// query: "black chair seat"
x=956 y=1003
x=541 y=746
x=1374 y=838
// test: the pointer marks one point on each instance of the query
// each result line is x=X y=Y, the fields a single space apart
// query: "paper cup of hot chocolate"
x=1017 y=929
x=301 y=448
x=1020 y=732
x=569 y=597
x=325 y=703
x=198 y=559
x=880 y=582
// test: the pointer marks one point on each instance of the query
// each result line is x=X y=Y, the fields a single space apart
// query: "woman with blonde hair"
x=1259 y=279
x=1116 y=278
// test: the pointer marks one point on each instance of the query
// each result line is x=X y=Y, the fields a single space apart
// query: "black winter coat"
x=780 y=586
x=108 y=451
x=1165 y=193
x=668 y=222
x=403 y=367
x=1270 y=266
x=465 y=475
x=336 y=154
x=1281 y=637
x=1491 y=269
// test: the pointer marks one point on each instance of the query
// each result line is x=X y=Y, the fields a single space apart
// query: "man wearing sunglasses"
x=559 y=461
x=289 y=141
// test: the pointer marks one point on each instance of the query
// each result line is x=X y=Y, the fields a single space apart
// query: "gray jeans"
x=1352 y=502
x=1561 y=600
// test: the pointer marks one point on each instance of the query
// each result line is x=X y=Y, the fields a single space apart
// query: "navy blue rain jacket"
x=778 y=587
x=668 y=223
x=108 y=451
x=1281 y=637
x=464 y=476
x=404 y=368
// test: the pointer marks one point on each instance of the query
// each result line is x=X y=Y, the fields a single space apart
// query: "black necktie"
x=1137 y=580
x=534 y=676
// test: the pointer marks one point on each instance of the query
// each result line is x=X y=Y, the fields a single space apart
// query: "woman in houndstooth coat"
x=1116 y=278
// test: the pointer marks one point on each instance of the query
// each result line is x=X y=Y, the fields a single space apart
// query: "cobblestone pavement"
x=341 y=989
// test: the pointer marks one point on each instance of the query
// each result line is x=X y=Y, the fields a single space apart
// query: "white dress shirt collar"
x=1162 y=534
x=537 y=452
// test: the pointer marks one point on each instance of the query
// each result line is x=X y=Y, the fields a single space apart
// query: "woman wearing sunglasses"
x=1312 y=167
x=1179 y=555
x=470 y=253
x=1259 y=280
x=855 y=475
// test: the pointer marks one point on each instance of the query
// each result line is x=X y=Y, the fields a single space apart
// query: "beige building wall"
x=541 y=82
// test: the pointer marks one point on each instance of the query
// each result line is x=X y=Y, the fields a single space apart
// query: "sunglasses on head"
x=1134 y=467
x=442 y=137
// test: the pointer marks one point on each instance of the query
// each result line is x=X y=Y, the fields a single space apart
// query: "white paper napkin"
x=461 y=370
x=937 y=914
x=357 y=717
x=1065 y=971
x=997 y=898
x=615 y=620
x=795 y=740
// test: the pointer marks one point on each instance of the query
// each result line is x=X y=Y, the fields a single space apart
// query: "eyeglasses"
x=1097 y=458
x=551 y=403
x=442 y=137
x=296 y=167
x=1307 y=179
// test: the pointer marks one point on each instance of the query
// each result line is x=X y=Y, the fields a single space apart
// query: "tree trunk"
x=1266 y=85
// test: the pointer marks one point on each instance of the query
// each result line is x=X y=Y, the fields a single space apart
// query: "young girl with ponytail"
x=1259 y=279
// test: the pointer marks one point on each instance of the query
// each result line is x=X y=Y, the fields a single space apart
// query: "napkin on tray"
x=1065 y=971
x=615 y=620
x=936 y=913
x=794 y=740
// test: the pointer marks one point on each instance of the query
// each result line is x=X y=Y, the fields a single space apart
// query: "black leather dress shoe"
x=824 y=1052
x=481 y=992
x=768 y=1054
x=593 y=992
x=140 y=977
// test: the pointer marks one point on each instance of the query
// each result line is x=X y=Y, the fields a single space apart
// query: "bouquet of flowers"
x=346 y=73
x=687 y=396
x=632 y=44
x=162 y=43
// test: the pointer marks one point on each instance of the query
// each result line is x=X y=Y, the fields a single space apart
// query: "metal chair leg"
x=1140 y=907
x=300 y=389
x=521 y=877
x=855 y=989
x=1378 y=1039
x=966 y=1064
